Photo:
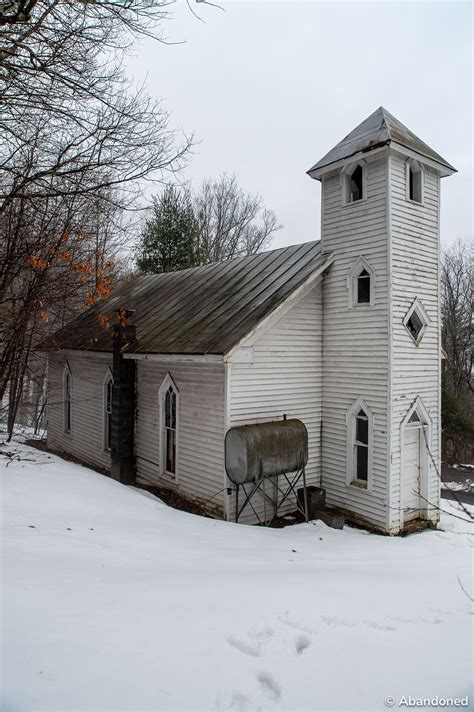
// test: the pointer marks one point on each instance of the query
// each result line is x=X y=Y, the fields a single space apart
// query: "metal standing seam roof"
x=379 y=129
x=204 y=310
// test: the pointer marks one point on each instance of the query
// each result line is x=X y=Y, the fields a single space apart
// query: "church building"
x=342 y=334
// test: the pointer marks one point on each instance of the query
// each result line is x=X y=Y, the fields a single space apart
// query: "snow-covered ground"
x=113 y=601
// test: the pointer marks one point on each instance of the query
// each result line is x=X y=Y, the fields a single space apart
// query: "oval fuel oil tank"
x=265 y=449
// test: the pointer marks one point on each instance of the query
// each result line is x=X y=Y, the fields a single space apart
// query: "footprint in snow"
x=258 y=638
x=237 y=702
x=261 y=634
x=270 y=687
x=292 y=623
x=246 y=647
x=302 y=642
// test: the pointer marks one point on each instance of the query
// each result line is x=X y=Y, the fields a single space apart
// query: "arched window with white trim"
x=169 y=424
x=67 y=399
x=108 y=394
x=359 y=445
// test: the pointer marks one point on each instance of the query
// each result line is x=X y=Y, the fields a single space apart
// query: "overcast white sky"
x=269 y=87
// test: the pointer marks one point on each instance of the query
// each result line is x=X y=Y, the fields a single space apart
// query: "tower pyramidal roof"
x=378 y=130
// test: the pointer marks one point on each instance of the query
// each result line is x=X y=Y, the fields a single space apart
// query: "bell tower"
x=380 y=453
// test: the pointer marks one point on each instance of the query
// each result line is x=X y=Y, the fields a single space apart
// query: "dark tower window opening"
x=416 y=321
x=415 y=182
x=355 y=187
x=415 y=325
x=363 y=287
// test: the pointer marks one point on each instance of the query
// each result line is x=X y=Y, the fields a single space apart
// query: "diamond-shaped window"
x=416 y=321
x=415 y=325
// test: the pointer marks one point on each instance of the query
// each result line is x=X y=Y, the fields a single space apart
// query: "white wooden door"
x=411 y=473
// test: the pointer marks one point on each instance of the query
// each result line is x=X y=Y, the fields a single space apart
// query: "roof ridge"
x=227 y=260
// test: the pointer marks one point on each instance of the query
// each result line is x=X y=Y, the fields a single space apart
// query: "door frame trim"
x=426 y=427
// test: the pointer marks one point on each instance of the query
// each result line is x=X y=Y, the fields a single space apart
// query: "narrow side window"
x=108 y=393
x=67 y=398
x=359 y=445
x=170 y=431
x=169 y=406
x=414 y=182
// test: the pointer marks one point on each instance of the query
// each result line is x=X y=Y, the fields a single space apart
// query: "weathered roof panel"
x=379 y=129
x=205 y=310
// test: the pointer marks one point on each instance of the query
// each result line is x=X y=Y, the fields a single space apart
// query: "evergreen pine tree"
x=170 y=238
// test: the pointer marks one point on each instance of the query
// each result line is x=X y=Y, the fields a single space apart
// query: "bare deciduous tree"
x=457 y=393
x=456 y=307
x=76 y=143
x=56 y=256
x=230 y=221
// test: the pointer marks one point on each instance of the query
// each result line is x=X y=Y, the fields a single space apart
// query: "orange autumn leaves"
x=104 y=321
x=37 y=262
x=94 y=274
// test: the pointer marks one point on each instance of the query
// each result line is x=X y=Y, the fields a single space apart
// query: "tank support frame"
x=280 y=495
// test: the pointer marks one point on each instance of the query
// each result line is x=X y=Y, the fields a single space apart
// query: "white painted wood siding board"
x=285 y=377
x=355 y=341
x=86 y=439
x=415 y=369
x=201 y=427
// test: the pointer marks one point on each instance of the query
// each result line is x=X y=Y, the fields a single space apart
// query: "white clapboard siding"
x=200 y=462
x=355 y=340
x=284 y=378
x=86 y=439
x=415 y=369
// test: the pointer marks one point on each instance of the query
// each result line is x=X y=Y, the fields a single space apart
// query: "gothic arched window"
x=359 y=445
x=169 y=416
x=361 y=284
